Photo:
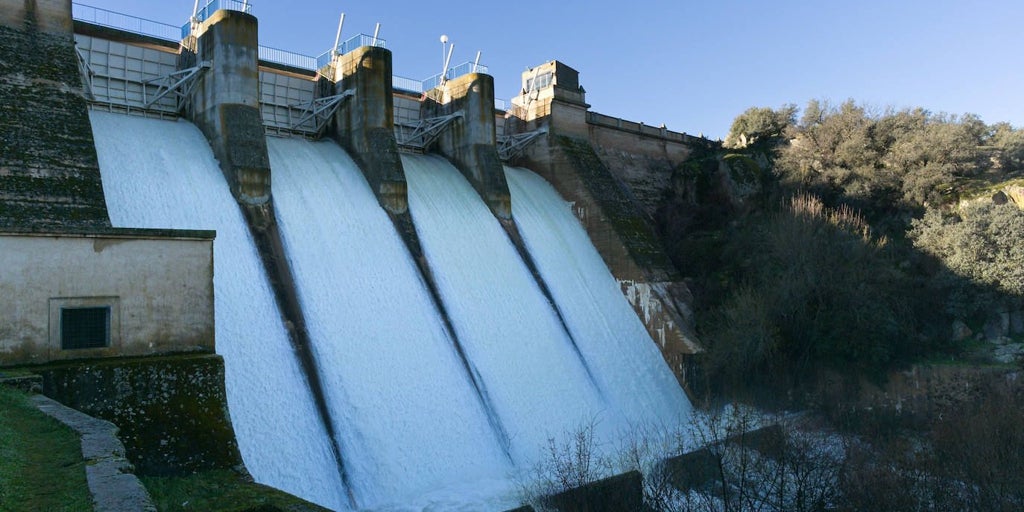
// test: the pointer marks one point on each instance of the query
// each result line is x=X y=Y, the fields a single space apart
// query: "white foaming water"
x=536 y=381
x=621 y=354
x=407 y=415
x=162 y=174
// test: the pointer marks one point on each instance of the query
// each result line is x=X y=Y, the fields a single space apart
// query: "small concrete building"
x=72 y=286
x=108 y=292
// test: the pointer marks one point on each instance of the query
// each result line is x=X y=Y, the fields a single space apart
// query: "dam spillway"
x=162 y=174
x=611 y=338
x=409 y=420
x=406 y=412
x=390 y=336
x=526 y=360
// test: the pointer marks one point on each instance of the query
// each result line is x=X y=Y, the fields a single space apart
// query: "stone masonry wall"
x=49 y=174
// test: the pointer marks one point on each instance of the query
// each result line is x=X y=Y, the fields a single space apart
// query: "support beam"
x=512 y=146
x=180 y=83
x=321 y=111
x=421 y=135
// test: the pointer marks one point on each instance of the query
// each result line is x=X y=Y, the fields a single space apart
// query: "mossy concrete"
x=171 y=411
x=364 y=124
x=624 y=237
x=49 y=173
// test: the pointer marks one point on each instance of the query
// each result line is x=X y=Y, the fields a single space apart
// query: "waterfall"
x=162 y=174
x=409 y=419
x=539 y=385
x=615 y=344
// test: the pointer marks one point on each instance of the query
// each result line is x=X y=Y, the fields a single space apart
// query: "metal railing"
x=406 y=84
x=296 y=60
x=213 y=6
x=454 y=72
x=348 y=45
x=135 y=25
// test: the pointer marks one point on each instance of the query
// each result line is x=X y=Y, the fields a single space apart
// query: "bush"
x=981 y=251
x=818 y=292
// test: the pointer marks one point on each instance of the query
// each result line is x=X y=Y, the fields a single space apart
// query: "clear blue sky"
x=691 y=65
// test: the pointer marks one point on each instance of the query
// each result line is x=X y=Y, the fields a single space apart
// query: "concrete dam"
x=411 y=291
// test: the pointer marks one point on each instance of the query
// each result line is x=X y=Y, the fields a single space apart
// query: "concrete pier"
x=224 y=102
x=364 y=124
x=604 y=199
x=469 y=142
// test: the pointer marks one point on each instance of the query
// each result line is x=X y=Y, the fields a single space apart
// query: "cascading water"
x=404 y=406
x=624 y=360
x=508 y=329
x=162 y=174
x=413 y=430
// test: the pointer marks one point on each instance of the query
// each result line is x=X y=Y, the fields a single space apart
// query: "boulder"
x=960 y=331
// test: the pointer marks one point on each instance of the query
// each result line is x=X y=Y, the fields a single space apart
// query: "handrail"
x=454 y=72
x=213 y=6
x=406 y=84
x=348 y=45
x=133 y=24
x=295 y=60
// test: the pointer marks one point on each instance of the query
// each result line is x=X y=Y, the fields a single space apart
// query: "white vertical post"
x=375 y=32
x=477 y=61
x=337 y=37
x=447 y=61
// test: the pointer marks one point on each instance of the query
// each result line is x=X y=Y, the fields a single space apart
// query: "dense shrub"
x=981 y=252
x=817 y=291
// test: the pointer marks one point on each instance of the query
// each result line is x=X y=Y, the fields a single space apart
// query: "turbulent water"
x=407 y=414
x=162 y=174
x=418 y=426
x=538 y=383
x=616 y=346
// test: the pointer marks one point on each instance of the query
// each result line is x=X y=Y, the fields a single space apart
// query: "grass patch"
x=41 y=466
x=223 y=490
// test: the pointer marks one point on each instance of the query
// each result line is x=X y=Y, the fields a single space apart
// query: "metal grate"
x=84 y=327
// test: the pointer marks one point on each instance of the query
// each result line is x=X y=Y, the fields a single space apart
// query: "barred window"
x=87 y=327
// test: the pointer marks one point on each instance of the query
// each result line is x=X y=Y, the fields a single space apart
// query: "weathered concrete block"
x=469 y=142
x=49 y=174
x=171 y=411
x=620 y=493
x=364 y=124
x=224 y=103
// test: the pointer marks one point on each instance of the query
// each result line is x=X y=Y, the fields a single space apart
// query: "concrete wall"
x=469 y=142
x=225 y=102
x=49 y=175
x=171 y=411
x=159 y=285
x=48 y=16
x=364 y=125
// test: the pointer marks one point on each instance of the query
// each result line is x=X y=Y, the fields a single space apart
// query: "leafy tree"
x=981 y=252
x=761 y=127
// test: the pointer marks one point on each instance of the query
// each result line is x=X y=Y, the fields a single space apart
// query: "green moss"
x=632 y=227
x=221 y=490
x=41 y=466
x=171 y=410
